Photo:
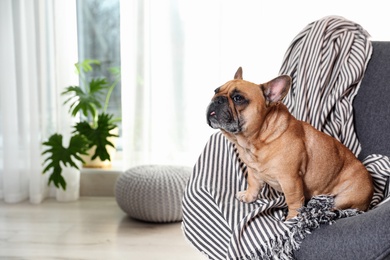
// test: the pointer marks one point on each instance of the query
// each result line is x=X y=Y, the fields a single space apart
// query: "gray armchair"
x=366 y=236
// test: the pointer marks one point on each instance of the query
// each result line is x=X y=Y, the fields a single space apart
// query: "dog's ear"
x=238 y=74
x=276 y=89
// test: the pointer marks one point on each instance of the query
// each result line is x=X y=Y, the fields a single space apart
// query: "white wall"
x=263 y=30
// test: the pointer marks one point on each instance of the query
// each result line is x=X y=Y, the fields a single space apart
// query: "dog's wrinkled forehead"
x=225 y=87
x=235 y=86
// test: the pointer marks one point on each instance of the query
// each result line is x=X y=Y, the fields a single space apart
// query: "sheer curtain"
x=173 y=55
x=38 y=48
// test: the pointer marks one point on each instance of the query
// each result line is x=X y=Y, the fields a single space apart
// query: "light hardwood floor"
x=90 y=228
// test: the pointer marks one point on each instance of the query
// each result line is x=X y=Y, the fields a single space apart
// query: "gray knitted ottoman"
x=152 y=193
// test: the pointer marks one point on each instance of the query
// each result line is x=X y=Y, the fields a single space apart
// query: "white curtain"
x=38 y=48
x=174 y=53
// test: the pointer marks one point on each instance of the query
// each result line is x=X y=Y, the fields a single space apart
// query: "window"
x=99 y=38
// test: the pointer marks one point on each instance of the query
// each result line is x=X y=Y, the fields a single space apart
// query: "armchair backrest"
x=372 y=103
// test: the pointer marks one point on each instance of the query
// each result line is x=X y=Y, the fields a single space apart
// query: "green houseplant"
x=90 y=101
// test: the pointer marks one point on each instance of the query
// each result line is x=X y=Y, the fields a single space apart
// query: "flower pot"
x=72 y=178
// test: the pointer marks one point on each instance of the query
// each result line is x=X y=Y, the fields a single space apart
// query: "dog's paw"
x=244 y=196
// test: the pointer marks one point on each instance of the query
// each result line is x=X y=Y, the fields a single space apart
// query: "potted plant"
x=92 y=135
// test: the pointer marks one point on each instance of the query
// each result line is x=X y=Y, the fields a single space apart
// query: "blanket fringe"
x=318 y=211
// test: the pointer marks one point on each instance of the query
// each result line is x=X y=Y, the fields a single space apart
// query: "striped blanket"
x=327 y=61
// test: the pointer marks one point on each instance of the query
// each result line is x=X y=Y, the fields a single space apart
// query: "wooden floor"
x=90 y=228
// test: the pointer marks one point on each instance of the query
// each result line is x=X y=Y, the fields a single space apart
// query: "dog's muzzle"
x=219 y=116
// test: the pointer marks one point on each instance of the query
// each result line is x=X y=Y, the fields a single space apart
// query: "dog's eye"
x=238 y=98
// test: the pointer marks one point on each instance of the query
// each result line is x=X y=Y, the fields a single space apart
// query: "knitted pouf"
x=152 y=193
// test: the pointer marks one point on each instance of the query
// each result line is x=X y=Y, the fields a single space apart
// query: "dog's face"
x=240 y=106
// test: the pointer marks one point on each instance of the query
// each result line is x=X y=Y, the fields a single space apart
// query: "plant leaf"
x=116 y=71
x=98 y=136
x=57 y=179
x=87 y=101
x=96 y=86
x=86 y=65
x=57 y=153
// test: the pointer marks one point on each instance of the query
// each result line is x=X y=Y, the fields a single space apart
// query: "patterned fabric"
x=326 y=61
x=214 y=221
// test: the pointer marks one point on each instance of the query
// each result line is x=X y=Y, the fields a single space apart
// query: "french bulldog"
x=288 y=154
